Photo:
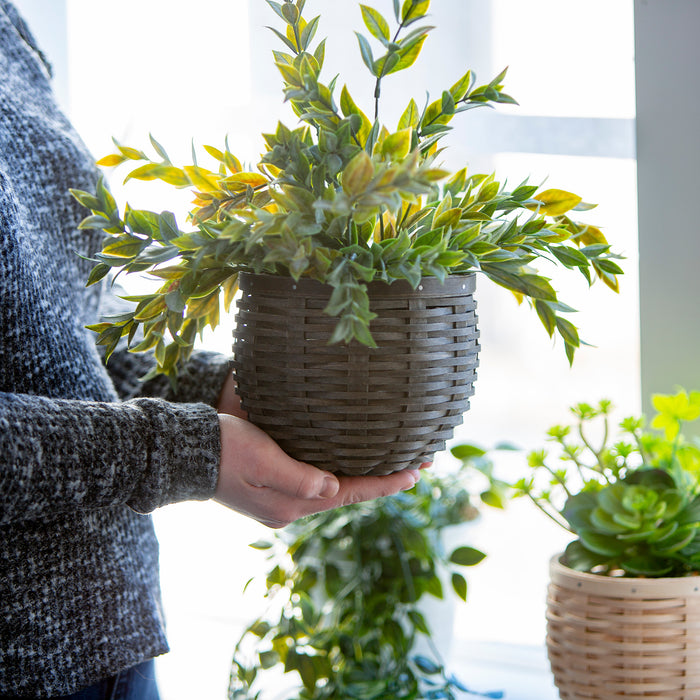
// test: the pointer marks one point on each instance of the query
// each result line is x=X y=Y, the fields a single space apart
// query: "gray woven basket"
x=348 y=408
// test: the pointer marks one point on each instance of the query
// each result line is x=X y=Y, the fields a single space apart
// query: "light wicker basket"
x=349 y=408
x=636 y=638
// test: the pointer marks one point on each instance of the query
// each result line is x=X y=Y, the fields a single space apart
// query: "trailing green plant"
x=340 y=198
x=345 y=589
x=631 y=498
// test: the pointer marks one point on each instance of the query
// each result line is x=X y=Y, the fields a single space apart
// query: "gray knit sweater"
x=85 y=451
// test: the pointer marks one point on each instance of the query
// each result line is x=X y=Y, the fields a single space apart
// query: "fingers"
x=355 y=489
x=300 y=481
x=258 y=479
x=229 y=401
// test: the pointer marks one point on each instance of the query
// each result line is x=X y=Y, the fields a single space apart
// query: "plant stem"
x=378 y=84
x=558 y=479
x=408 y=578
x=548 y=514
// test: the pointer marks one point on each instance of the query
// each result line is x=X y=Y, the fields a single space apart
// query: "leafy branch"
x=340 y=199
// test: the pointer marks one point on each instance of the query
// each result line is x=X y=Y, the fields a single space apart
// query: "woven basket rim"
x=454 y=285
x=621 y=587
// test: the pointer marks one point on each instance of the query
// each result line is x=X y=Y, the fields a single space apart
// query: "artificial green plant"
x=339 y=197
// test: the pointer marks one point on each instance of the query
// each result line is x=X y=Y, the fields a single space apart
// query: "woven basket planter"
x=636 y=638
x=348 y=408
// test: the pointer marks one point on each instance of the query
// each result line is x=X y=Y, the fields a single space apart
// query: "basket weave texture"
x=351 y=409
x=611 y=638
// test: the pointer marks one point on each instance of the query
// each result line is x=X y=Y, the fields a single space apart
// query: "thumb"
x=303 y=481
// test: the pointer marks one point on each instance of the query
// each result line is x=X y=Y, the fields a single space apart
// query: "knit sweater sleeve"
x=62 y=454
x=200 y=380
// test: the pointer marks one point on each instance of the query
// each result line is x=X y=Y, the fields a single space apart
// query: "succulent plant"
x=631 y=498
x=644 y=525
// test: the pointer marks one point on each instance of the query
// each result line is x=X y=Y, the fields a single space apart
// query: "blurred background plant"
x=347 y=589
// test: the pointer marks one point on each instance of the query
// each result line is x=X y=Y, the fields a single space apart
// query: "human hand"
x=257 y=478
x=229 y=401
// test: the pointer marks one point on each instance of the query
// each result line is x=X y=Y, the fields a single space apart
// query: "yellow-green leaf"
x=449 y=217
x=408 y=56
x=111 y=160
x=358 y=173
x=243 y=180
x=410 y=116
x=556 y=202
x=414 y=9
x=396 y=146
x=375 y=23
x=214 y=153
x=461 y=87
x=202 y=179
x=131 y=153
x=348 y=107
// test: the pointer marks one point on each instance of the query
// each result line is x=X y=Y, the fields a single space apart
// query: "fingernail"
x=330 y=487
x=414 y=473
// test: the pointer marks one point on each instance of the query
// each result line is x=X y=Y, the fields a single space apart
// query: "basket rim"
x=453 y=285
x=621 y=587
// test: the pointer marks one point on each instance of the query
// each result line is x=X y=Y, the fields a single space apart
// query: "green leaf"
x=142 y=221
x=376 y=24
x=459 y=584
x=448 y=103
x=284 y=39
x=601 y=544
x=493 y=498
x=466 y=556
x=396 y=146
x=427 y=665
x=462 y=86
x=466 y=451
x=268 y=659
x=568 y=331
x=410 y=117
x=308 y=34
x=418 y=621
x=97 y=273
x=158 y=148
x=557 y=202
x=366 y=52
x=547 y=316
x=94 y=221
x=408 y=55
x=89 y=201
x=413 y=10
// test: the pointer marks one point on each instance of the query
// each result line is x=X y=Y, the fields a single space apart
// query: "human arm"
x=61 y=455
x=58 y=455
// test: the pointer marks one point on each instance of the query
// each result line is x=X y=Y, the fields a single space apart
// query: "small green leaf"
x=459 y=584
x=427 y=665
x=556 y=202
x=466 y=451
x=466 y=556
x=376 y=24
x=366 y=52
x=97 y=273
x=413 y=10
x=568 y=331
x=410 y=117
